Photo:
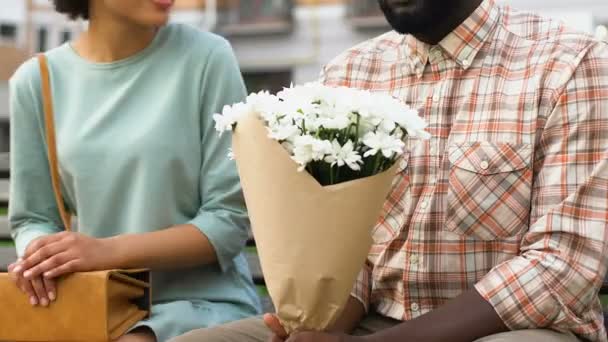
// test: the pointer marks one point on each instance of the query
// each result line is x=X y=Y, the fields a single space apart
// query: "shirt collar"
x=464 y=43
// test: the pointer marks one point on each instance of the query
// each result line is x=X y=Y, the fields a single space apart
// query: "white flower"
x=283 y=132
x=223 y=123
x=344 y=155
x=264 y=103
x=307 y=149
x=338 y=122
x=407 y=118
x=382 y=142
x=229 y=117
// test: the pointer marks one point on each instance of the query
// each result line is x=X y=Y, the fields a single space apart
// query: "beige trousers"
x=254 y=330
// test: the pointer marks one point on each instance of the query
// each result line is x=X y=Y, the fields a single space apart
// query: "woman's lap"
x=176 y=318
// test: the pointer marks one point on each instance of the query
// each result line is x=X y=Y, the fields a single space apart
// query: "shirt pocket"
x=490 y=185
x=392 y=216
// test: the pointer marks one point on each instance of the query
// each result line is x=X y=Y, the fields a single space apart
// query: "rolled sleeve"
x=554 y=282
x=226 y=230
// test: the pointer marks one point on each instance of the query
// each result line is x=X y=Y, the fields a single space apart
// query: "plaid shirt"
x=510 y=196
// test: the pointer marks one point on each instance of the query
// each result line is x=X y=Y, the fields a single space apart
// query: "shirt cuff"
x=517 y=292
x=361 y=289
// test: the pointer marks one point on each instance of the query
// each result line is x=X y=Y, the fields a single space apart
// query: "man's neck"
x=457 y=16
x=111 y=38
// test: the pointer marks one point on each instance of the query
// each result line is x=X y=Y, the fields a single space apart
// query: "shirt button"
x=484 y=165
x=415 y=307
x=466 y=63
x=414 y=259
x=424 y=205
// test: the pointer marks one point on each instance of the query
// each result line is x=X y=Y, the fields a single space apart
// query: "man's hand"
x=39 y=290
x=65 y=253
x=272 y=322
x=351 y=316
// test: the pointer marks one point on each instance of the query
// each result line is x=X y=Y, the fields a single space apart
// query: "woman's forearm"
x=176 y=247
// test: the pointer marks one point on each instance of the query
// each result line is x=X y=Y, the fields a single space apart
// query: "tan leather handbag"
x=90 y=306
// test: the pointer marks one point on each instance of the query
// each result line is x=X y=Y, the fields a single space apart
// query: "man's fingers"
x=273 y=323
x=41 y=292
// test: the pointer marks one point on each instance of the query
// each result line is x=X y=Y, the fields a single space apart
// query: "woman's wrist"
x=116 y=252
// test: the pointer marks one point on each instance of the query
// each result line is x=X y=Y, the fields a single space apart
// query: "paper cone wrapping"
x=312 y=240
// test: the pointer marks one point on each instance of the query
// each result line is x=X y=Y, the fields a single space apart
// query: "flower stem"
x=310 y=170
x=337 y=174
x=331 y=175
x=377 y=161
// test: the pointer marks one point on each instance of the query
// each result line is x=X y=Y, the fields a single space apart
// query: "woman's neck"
x=110 y=38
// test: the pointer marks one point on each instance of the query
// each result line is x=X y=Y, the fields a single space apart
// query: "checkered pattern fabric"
x=510 y=195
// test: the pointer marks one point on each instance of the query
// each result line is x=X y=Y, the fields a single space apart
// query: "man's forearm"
x=176 y=247
x=464 y=319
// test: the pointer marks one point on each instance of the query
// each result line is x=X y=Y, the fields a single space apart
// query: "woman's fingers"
x=69 y=267
x=43 y=254
x=40 y=292
x=35 y=245
x=51 y=289
x=47 y=265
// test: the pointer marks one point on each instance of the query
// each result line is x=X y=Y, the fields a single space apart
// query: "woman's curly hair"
x=73 y=8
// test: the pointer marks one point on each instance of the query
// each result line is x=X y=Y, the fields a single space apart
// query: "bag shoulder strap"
x=51 y=143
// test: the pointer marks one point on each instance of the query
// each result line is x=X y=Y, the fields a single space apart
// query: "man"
x=496 y=227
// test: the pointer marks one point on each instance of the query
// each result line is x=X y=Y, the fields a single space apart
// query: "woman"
x=140 y=164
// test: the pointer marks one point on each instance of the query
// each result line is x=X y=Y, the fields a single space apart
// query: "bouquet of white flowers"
x=336 y=134
x=313 y=229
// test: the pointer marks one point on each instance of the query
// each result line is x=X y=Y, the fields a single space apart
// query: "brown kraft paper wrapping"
x=312 y=240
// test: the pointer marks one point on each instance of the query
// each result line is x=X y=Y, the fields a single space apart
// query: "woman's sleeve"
x=223 y=216
x=32 y=209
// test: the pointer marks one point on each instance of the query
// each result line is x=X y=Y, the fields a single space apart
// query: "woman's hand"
x=39 y=290
x=65 y=253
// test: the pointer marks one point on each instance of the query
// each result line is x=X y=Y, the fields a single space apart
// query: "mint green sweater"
x=138 y=152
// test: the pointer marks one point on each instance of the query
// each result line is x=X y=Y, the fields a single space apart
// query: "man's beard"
x=419 y=20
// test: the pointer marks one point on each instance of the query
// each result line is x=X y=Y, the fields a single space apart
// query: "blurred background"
x=277 y=42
